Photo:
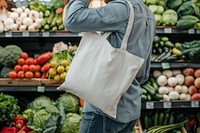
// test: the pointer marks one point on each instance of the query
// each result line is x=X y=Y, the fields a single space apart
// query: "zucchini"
x=171 y=118
x=146 y=121
x=50 y=18
x=153 y=83
x=156 y=118
x=172 y=57
x=169 y=44
x=166 y=119
x=189 y=17
x=144 y=91
x=149 y=97
x=160 y=118
x=185 y=24
x=165 y=56
x=164 y=39
x=160 y=56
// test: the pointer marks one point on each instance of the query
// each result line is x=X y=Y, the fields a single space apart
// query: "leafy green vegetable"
x=169 y=17
x=9 y=55
x=186 y=9
x=4 y=71
x=70 y=102
x=71 y=123
x=40 y=102
x=8 y=108
x=158 y=18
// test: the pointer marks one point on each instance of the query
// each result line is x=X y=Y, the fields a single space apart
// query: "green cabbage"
x=152 y=2
x=156 y=9
x=169 y=17
x=70 y=102
x=71 y=123
x=40 y=102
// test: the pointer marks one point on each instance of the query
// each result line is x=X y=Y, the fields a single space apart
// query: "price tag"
x=45 y=34
x=149 y=105
x=165 y=65
x=168 y=30
x=194 y=104
x=40 y=89
x=80 y=34
x=8 y=34
x=25 y=34
x=191 y=31
x=167 y=105
x=198 y=31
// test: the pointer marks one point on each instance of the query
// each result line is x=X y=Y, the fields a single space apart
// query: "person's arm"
x=80 y=18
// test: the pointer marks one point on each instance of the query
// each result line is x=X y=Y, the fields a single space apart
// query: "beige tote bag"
x=101 y=74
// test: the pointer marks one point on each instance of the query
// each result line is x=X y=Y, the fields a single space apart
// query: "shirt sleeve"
x=80 y=18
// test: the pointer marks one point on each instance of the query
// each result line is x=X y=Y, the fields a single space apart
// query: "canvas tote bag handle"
x=129 y=27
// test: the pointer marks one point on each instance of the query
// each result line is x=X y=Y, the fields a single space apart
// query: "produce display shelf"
x=174 y=65
x=159 y=30
x=28 y=89
x=170 y=104
x=40 y=34
x=6 y=82
x=174 y=30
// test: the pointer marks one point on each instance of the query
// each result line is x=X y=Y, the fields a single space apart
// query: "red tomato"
x=17 y=68
x=29 y=61
x=38 y=68
x=21 y=61
x=32 y=68
x=37 y=75
x=24 y=55
x=20 y=74
x=44 y=75
x=12 y=74
x=29 y=75
x=35 y=62
x=25 y=68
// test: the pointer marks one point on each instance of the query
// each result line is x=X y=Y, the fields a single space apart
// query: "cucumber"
x=171 y=118
x=153 y=83
x=156 y=118
x=144 y=91
x=149 y=97
x=149 y=88
x=146 y=121
x=143 y=97
x=172 y=57
x=157 y=97
x=160 y=118
x=166 y=119
x=189 y=17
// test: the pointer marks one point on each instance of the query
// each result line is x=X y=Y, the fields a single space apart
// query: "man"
x=113 y=17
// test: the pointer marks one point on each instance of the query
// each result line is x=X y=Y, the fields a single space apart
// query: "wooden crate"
x=20 y=82
x=51 y=82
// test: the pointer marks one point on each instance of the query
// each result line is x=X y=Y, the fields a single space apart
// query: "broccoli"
x=9 y=55
x=4 y=71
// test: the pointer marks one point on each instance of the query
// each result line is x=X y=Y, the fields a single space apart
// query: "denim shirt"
x=114 y=18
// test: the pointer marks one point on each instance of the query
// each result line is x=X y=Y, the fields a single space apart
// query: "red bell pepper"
x=44 y=58
x=18 y=117
x=9 y=130
x=19 y=123
x=24 y=128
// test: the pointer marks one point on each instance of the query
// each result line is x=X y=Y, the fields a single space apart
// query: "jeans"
x=99 y=123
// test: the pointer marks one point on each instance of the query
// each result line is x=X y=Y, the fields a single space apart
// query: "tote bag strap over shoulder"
x=129 y=27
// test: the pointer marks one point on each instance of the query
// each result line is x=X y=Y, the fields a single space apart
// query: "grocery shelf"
x=159 y=30
x=28 y=89
x=170 y=104
x=40 y=34
x=174 y=65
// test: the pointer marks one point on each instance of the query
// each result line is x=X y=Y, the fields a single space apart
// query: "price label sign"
x=149 y=105
x=168 y=30
x=45 y=34
x=198 y=31
x=167 y=105
x=195 y=104
x=25 y=34
x=165 y=65
x=191 y=31
x=8 y=34
x=40 y=89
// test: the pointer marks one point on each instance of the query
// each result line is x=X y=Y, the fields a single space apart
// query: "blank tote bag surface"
x=101 y=74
